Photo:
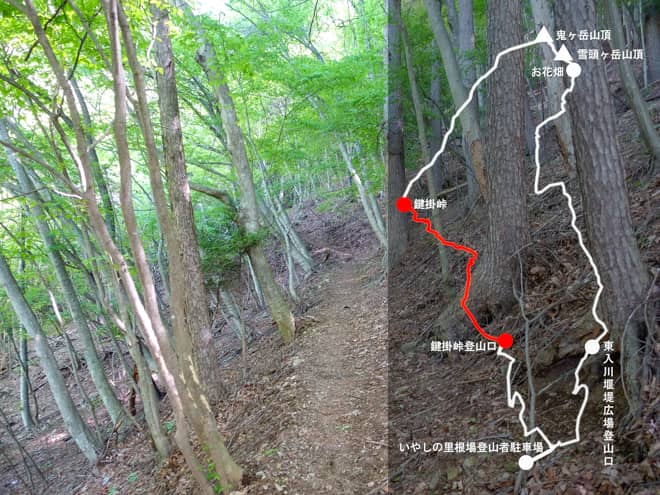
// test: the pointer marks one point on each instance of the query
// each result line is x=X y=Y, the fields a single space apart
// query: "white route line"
x=592 y=346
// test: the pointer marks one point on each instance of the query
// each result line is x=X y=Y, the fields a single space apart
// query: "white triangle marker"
x=544 y=36
x=563 y=55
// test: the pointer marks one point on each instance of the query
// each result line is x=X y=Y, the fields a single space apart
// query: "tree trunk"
x=507 y=209
x=607 y=217
x=96 y=370
x=74 y=424
x=145 y=384
x=190 y=307
x=652 y=42
x=249 y=215
x=193 y=406
x=22 y=355
x=423 y=143
x=543 y=16
x=99 y=177
x=26 y=414
x=437 y=126
x=367 y=200
x=635 y=99
x=468 y=117
x=466 y=40
x=258 y=293
x=452 y=19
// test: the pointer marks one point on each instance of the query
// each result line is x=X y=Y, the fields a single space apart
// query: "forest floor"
x=306 y=418
x=313 y=417
x=461 y=397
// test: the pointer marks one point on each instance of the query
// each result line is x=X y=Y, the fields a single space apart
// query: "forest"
x=208 y=283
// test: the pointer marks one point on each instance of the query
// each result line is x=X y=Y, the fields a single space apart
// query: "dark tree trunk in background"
x=652 y=41
x=437 y=127
x=398 y=225
x=507 y=210
x=466 y=40
x=610 y=234
x=543 y=16
x=424 y=145
x=635 y=99
x=469 y=118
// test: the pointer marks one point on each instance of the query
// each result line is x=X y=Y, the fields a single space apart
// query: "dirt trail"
x=337 y=442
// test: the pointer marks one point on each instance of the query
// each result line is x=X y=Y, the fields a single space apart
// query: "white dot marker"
x=526 y=462
x=591 y=347
x=573 y=70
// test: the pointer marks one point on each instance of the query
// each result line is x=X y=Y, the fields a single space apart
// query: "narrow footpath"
x=335 y=439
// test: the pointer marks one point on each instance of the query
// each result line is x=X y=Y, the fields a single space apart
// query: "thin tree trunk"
x=635 y=99
x=233 y=317
x=148 y=394
x=437 y=126
x=22 y=354
x=249 y=216
x=423 y=142
x=543 y=16
x=259 y=295
x=99 y=177
x=468 y=117
x=73 y=422
x=96 y=370
x=373 y=215
x=26 y=414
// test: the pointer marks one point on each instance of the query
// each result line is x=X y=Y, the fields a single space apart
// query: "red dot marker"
x=404 y=204
x=505 y=340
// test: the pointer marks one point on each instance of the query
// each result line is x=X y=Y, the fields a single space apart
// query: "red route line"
x=405 y=205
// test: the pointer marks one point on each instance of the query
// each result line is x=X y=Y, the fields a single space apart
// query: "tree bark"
x=452 y=19
x=190 y=307
x=437 y=126
x=99 y=177
x=466 y=40
x=606 y=208
x=398 y=226
x=22 y=355
x=508 y=229
x=26 y=413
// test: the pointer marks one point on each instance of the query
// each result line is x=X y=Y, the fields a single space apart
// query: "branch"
x=214 y=193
